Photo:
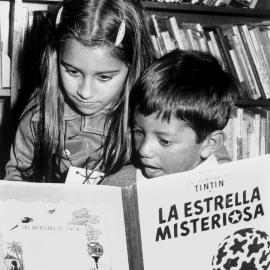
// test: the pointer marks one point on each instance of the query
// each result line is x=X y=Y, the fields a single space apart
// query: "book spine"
x=239 y=116
x=254 y=87
x=238 y=70
x=262 y=48
x=255 y=59
x=215 y=45
x=225 y=47
x=258 y=85
x=157 y=33
x=244 y=66
x=262 y=136
x=168 y=43
x=176 y=33
x=156 y=44
x=267 y=135
x=257 y=135
x=132 y=225
x=264 y=76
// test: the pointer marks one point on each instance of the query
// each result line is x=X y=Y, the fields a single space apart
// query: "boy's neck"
x=211 y=161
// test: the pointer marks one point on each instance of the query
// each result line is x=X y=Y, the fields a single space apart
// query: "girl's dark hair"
x=191 y=86
x=92 y=23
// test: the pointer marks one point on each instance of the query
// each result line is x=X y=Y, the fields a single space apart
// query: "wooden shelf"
x=207 y=15
x=253 y=103
x=42 y=1
x=4 y=92
x=207 y=10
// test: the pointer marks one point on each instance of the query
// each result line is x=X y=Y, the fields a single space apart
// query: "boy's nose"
x=146 y=149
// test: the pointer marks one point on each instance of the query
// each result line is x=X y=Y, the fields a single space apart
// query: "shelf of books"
x=5 y=63
x=243 y=49
x=4 y=49
x=240 y=38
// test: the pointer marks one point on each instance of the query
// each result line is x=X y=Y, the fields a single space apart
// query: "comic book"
x=216 y=218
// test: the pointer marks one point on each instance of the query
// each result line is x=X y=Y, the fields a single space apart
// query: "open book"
x=217 y=218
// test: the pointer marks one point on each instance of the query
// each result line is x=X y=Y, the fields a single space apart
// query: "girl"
x=79 y=114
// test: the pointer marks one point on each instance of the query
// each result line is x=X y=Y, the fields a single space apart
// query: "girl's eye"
x=72 y=72
x=165 y=142
x=104 y=77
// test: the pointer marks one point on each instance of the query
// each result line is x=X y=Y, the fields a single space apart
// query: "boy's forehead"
x=157 y=123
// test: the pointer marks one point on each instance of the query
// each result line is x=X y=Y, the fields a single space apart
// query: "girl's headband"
x=58 y=16
x=121 y=33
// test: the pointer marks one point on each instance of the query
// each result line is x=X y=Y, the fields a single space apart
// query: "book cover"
x=216 y=218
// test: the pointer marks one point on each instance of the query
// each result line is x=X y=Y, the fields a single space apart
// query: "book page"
x=55 y=226
x=218 y=218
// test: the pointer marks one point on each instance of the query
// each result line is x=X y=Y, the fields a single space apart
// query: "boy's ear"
x=212 y=143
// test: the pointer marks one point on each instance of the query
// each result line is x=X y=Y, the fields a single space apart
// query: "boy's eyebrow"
x=101 y=72
x=164 y=133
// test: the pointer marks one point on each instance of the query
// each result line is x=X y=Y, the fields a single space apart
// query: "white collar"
x=211 y=161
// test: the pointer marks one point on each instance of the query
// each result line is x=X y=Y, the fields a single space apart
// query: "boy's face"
x=165 y=147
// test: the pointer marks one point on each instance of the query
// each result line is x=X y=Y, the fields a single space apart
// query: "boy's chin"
x=153 y=173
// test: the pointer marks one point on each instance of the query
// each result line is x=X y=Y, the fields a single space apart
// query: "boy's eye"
x=165 y=142
x=138 y=132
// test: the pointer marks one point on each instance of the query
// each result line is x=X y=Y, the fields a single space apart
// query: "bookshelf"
x=184 y=13
x=188 y=13
x=248 y=130
x=13 y=97
x=209 y=16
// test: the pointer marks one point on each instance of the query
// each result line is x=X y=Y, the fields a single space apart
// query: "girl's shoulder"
x=31 y=110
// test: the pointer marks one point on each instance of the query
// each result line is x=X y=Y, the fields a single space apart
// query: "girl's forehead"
x=75 y=53
x=73 y=46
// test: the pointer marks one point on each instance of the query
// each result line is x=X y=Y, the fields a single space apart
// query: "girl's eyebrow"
x=101 y=72
x=68 y=65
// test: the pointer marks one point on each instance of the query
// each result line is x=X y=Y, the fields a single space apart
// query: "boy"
x=180 y=105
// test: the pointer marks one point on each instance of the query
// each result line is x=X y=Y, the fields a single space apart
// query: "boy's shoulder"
x=124 y=177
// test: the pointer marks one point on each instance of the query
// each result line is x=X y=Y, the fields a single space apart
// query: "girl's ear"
x=212 y=143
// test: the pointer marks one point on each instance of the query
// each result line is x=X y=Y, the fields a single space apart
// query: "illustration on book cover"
x=34 y=229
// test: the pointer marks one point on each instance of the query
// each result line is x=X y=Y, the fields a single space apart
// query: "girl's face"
x=91 y=76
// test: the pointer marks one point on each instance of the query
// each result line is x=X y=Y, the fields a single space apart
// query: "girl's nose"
x=85 y=90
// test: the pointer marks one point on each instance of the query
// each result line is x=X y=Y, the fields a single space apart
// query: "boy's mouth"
x=149 y=166
x=152 y=172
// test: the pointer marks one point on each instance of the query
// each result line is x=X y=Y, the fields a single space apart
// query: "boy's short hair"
x=192 y=86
